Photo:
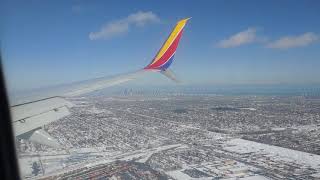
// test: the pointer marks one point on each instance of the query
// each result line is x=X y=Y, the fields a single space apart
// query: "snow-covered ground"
x=256 y=177
x=85 y=157
x=178 y=175
x=249 y=108
x=244 y=146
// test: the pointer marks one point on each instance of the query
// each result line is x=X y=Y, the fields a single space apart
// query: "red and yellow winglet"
x=165 y=55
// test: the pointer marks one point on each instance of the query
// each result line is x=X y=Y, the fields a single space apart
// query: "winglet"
x=165 y=55
x=169 y=74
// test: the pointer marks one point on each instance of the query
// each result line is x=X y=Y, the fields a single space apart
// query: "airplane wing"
x=31 y=113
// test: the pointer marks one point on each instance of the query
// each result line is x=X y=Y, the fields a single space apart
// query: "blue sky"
x=46 y=43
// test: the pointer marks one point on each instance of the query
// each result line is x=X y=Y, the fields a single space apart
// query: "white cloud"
x=76 y=8
x=240 y=38
x=121 y=26
x=294 y=41
x=141 y=18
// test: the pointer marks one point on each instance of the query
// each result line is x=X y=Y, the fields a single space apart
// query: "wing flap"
x=33 y=115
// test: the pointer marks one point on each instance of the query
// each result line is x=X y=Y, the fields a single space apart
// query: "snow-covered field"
x=242 y=146
x=86 y=157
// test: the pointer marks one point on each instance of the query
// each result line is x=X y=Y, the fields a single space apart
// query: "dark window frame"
x=9 y=165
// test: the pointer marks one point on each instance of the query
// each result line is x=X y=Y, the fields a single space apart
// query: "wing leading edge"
x=30 y=115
